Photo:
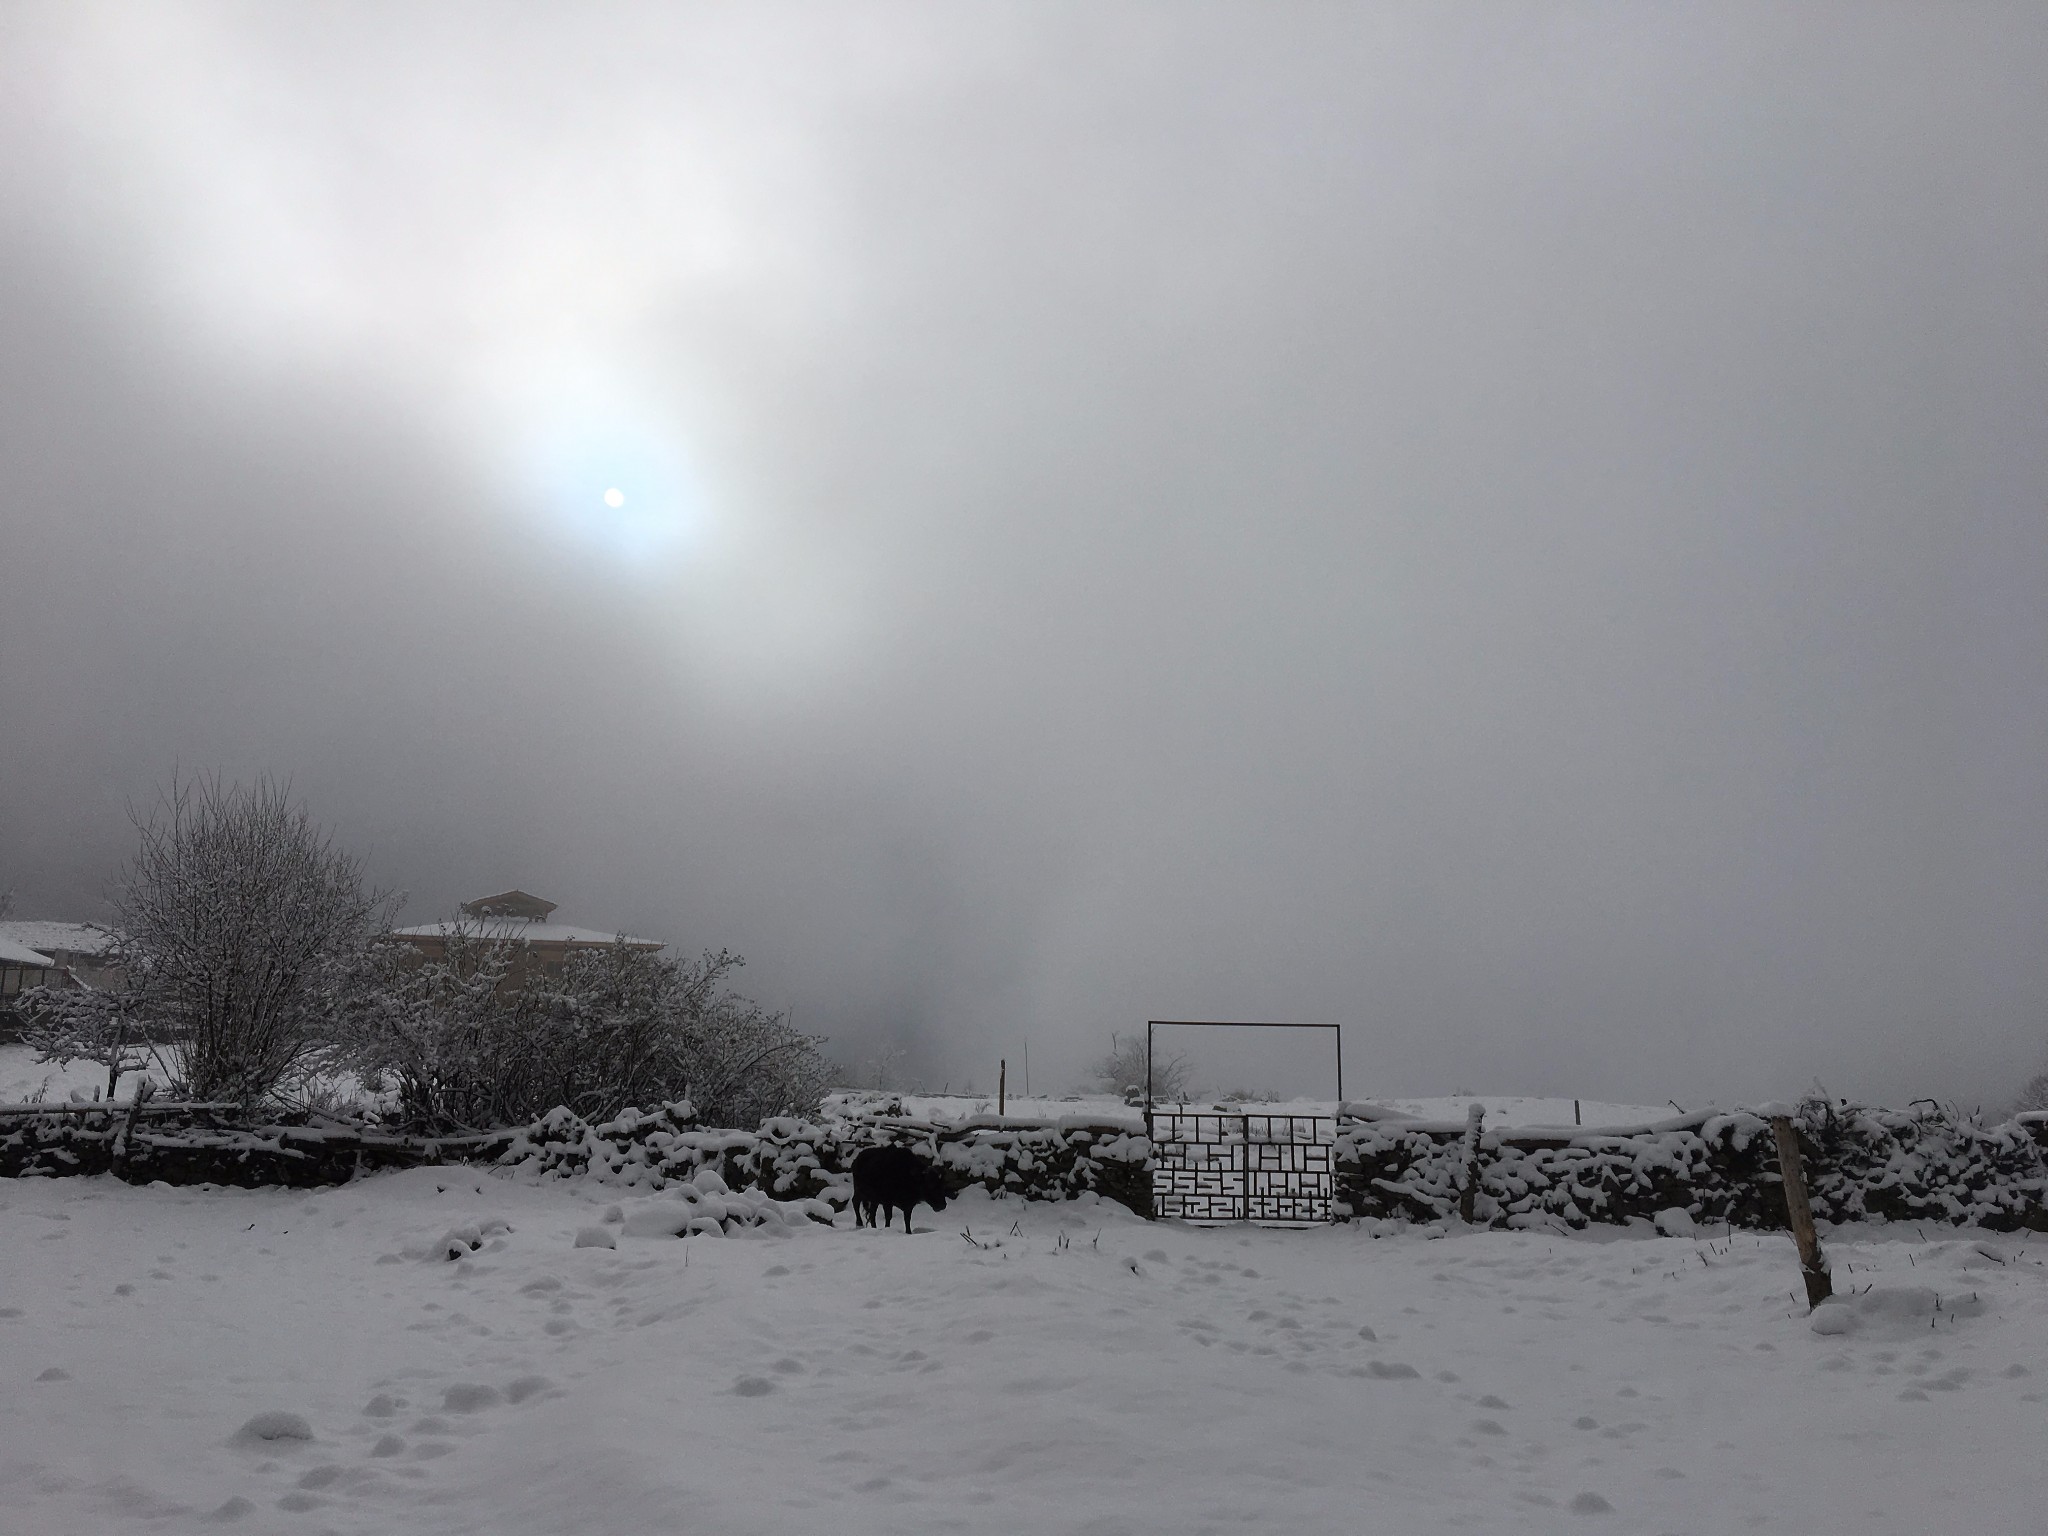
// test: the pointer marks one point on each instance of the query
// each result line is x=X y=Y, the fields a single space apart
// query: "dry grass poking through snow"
x=1072 y=1369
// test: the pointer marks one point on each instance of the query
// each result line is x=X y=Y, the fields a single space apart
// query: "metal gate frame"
x=1156 y=1024
x=1273 y=1168
x=1215 y=1165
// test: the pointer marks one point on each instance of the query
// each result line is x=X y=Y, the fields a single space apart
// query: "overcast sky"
x=1521 y=530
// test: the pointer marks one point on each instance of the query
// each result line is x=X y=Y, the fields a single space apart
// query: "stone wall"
x=209 y=1144
x=795 y=1159
x=1716 y=1166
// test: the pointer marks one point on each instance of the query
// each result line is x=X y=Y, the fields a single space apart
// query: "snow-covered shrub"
x=241 y=926
x=2033 y=1097
x=1124 y=1068
x=87 y=1024
x=705 y=1203
x=478 y=1039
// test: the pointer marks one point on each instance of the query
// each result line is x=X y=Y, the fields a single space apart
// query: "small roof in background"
x=77 y=938
x=521 y=904
x=12 y=953
x=523 y=931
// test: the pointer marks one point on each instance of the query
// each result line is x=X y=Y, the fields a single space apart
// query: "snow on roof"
x=12 y=953
x=79 y=938
x=515 y=903
x=522 y=932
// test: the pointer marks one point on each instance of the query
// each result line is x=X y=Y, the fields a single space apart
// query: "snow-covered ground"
x=24 y=1079
x=1070 y=1369
x=1501 y=1110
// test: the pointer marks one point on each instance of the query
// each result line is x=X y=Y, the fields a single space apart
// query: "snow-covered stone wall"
x=1716 y=1166
x=209 y=1144
x=796 y=1159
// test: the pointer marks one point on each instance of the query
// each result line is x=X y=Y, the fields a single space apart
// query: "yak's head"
x=934 y=1189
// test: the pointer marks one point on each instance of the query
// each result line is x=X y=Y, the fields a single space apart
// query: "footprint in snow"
x=54 y=1373
x=273 y=1431
x=1386 y=1370
x=1590 y=1504
x=469 y=1397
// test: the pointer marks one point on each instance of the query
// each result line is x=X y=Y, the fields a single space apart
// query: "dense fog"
x=1518 y=531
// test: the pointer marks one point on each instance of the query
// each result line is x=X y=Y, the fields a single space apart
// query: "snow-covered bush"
x=1123 y=1070
x=86 y=1024
x=478 y=1039
x=240 y=925
x=2034 y=1096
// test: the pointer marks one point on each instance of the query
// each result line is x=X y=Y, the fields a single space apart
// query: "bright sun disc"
x=615 y=497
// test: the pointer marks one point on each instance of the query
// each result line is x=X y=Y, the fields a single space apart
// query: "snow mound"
x=704 y=1203
x=595 y=1237
x=458 y=1242
x=273 y=1428
x=1893 y=1311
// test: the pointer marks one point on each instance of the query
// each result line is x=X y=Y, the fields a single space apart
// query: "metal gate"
x=1243 y=1167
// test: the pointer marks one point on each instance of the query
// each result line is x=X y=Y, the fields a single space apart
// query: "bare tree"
x=882 y=1067
x=1123 y=1070
x=2034 y=1095
x=240 y=926
x=85 y=1024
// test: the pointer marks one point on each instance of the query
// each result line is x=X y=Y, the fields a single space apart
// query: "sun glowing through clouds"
x=601 y=464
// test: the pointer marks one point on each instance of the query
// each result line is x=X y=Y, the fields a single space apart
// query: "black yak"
x=894 y=1179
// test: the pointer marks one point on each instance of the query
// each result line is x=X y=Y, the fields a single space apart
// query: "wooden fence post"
x=1002 y=1085
x=1475 y=1119
x=1819 y=1285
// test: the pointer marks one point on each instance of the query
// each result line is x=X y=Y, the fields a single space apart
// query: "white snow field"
x=1501 y=1110
x=23 y=1078
x=196 y=1360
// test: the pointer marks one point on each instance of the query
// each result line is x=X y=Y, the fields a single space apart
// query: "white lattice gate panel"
x=1242 y=1167
x=1290 y=1168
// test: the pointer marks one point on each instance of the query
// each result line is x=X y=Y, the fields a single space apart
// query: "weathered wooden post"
x=1002 y=1085
x=1819 y=1284
x=1475 y=1119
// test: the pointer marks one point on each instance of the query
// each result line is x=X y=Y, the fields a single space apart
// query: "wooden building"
x=522 y=919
